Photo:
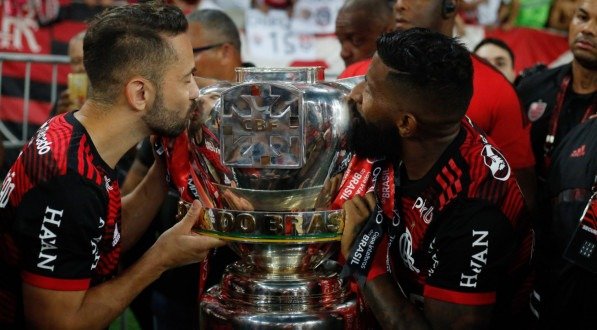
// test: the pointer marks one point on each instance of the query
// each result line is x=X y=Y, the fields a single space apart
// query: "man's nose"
x=194 y=90
x=356 y=94
x=399 y=5
x=346 y=53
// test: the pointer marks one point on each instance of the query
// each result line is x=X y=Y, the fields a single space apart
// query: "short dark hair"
x=497 y=42
x=126 y=40
x=218 y=23
x=430 y=69
x=380 y=11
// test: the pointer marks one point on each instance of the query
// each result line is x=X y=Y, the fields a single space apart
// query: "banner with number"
x=269 y=36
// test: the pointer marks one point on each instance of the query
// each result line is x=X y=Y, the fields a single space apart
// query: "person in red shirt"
x=443 y=238
x=495 y=107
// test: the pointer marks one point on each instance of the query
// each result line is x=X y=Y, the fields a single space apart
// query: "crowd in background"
x=548 y=138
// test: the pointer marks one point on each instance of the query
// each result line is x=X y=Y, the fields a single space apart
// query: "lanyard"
x=555 y=118
x=362 y=254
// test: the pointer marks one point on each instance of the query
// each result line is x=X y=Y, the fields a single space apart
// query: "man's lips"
x=584 y=44
x=400 y=22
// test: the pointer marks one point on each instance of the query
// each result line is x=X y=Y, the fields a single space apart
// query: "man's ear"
x=225 y=52
x=140 y=93
x=407 y=124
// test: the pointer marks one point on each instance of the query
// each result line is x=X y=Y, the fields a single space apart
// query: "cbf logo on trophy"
x=281 y=134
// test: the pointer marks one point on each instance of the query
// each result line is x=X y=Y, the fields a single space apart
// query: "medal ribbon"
x=362 y=253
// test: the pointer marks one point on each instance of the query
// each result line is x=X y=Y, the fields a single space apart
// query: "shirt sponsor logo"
x=478 y=259
x=426 y=212
x=496 y=162
x=192 y=187
x=94 y=242
x=108 y=183
x=116 y=237
x=7 y=187
x=47 y=254
x=435 y=261
x=405 y=244
x=41 y=143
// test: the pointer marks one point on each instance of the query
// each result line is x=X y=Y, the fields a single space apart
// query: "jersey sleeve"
x=495 y=108
x=469 y=255
x=58 y=230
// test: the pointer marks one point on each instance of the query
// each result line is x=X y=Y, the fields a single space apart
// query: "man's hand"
x=180 y=246
x=356 y=212
x=97 y=306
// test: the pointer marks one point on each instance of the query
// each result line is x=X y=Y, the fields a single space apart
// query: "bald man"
x=358 y=25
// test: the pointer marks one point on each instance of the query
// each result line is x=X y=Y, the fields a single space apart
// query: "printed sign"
x=269 y=37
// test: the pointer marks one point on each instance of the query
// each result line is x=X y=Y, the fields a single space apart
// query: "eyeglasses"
x=204 y=48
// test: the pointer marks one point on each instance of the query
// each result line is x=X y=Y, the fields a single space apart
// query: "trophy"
x=281 y=135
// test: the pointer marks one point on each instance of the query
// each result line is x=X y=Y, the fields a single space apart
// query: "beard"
x=372 y=141
x=165 y=122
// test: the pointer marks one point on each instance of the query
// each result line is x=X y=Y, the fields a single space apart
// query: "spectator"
x=556 y=101
x=561 y=14
x=498 y=54
x=462 y=241
x=528 y=13
x=61 y=216
x=75 y=53
x=567 y=282
x=216 y=44
x=357 y=32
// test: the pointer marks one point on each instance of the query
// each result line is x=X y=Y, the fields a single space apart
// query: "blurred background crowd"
x=274 y=33
x=41 y=55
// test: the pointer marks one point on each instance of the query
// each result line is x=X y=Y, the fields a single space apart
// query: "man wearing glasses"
x=216 y=44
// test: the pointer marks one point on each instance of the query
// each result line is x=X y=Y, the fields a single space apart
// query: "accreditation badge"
x=581 y=248
x=536 y=110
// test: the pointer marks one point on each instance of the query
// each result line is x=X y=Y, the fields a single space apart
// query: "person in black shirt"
x=556 y=101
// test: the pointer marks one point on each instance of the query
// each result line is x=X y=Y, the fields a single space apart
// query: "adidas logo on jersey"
x=578 y=152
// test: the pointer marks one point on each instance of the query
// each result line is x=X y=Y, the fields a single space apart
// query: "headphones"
x=448 y=7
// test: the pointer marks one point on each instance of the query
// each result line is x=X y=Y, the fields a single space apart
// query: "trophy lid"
x=294 y=74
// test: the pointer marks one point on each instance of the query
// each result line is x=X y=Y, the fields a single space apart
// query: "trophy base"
x=249 y=299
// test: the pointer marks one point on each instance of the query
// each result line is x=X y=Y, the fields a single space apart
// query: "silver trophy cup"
x=281 y=135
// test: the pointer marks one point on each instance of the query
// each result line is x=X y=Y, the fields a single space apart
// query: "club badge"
x=536 y=110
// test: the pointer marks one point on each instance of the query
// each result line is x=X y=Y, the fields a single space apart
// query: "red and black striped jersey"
x=60 y=215
x=463 y=234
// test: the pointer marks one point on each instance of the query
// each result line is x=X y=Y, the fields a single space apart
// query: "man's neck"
x=419 y=156
x=113 y=131
x=584 y=81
